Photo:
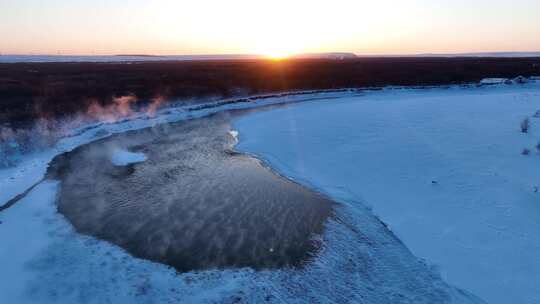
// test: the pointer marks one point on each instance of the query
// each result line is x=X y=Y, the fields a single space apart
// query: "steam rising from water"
x=122 y=107
x=119 y=108
x=46 y=131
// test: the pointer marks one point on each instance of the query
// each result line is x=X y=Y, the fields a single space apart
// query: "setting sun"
x=276 y=42
x=277 y=55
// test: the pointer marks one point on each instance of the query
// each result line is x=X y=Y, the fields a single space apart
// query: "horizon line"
x=262 y=55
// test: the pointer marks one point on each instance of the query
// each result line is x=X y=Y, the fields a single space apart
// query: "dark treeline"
x=54 y=90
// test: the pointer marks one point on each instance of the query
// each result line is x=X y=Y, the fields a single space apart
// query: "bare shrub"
x=525 y=151
x=525 y=125
x=538 y=146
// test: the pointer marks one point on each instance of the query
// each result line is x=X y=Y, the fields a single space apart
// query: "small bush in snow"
x=525 y=151
x=525 y=125
x=538 y=146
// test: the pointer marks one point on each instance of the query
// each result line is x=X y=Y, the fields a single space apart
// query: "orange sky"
x=276 y=28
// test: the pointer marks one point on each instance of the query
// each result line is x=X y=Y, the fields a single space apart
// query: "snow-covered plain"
x=377 y=148
x=442 y=167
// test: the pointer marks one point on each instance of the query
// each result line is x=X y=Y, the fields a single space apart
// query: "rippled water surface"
x=193 y=203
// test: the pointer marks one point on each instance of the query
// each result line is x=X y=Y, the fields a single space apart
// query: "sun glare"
x=277 y=55
x=279 y=49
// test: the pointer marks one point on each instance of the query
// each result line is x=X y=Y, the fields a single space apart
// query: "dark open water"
x=193 y=204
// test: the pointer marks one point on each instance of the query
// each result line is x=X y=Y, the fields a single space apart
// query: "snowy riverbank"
x=382 y=148
x=443 y=168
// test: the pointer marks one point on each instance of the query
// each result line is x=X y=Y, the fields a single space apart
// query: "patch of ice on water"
x=234 y=133
x=121 y=157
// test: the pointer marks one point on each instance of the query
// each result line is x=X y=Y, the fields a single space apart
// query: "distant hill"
x=474 y=54
x=136 y=55
x=332 y=55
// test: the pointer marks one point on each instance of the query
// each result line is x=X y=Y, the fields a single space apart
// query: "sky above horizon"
x=274 y=28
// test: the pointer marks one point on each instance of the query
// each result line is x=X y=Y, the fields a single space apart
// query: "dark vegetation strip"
x=29 y=91
x=19 y=197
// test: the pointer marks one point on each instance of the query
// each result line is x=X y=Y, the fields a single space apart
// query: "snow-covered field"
x=442 y=167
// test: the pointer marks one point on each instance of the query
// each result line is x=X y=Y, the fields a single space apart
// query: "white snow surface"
x=43 y=260
x=492 y=81
x=121 y=157
x=442 y=167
